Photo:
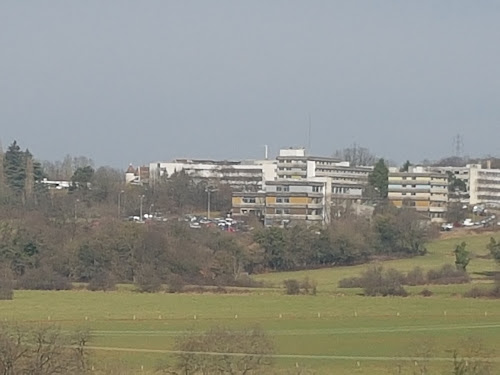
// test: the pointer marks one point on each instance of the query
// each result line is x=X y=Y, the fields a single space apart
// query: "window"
x=282 y=200
x=248 y=200
x=413 y=193
x=286 y=188
x=316 y=189
x=279 y=188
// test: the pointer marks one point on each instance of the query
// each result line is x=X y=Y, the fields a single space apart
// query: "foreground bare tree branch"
x=41 y=351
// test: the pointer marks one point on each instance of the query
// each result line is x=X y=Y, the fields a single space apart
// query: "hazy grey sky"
x=139 y=81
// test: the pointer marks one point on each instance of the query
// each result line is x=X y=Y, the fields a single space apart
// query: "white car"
x=447 y=227
x=468 y=223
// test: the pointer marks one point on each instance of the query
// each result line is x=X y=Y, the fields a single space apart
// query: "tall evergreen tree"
x=15 y=168
x=379 y=178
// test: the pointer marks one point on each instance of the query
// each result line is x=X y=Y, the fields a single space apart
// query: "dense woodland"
x=50 y=238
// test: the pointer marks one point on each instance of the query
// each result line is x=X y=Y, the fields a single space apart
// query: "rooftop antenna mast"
x=458 y=146
x=309 y=134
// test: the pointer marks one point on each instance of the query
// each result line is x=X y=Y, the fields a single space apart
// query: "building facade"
x=484 y=186
x=287 y=202
x=425 y=191
x=347 y=182
x=240 y=175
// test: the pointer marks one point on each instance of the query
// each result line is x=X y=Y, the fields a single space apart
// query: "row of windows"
x=341 y=190
x=286 y=211
x=291 y=169
x=489 y=189
x=289 y=161
x=489 y=174
x=282 y=200
x=488 y=182
x=342 y=171
x=282 y=188
x=485 y=197
x=248 y=200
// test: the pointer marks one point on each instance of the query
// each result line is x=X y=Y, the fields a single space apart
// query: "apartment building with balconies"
x=287 y=202
x=347 y=182
x=484 y=186
x=425 y=191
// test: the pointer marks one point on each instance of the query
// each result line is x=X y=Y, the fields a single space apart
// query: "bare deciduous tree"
x=356 y=155
x=224 y=351
x=41 y=351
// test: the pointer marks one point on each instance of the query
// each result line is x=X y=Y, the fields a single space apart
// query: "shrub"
x=447 y=274
x=175 y=284
x=43 y=278
x=351 y=282
x=476 y=293
x=292 y=286
x=483 y=293
x=102 y=281
x=309 y=286
x=147 y=281
x=426 y=293
x=416 y=277
x=376 y=282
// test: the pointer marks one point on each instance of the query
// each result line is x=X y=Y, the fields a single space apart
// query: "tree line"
x=390 y=232
x=80 y=235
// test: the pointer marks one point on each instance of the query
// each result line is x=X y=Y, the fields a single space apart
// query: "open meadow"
x=335 y=332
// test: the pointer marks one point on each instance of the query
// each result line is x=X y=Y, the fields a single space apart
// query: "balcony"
x=293 y=172
x=287 y=205
x=439 y=190
x=293 y=164
x=437 y=209
x=438 y=198
x=315 y=206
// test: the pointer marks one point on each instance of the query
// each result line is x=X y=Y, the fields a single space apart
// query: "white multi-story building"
x=240 y=175
x=421 y=189
x=484 y=186
x=306 y=188
x=287 y=201
x=347 y=182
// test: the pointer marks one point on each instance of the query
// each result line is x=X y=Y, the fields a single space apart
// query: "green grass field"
x=334 y=332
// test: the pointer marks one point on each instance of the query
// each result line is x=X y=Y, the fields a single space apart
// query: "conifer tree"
x=15 y=168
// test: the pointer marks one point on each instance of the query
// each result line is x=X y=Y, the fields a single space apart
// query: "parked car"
x=447 y=227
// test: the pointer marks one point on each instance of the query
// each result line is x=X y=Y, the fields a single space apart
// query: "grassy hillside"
x=334 y=332
x=439 y=252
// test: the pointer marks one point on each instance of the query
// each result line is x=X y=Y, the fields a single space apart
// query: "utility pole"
x=120 y=203
x=76 y=202
x=209 y=190
x=141 y=198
